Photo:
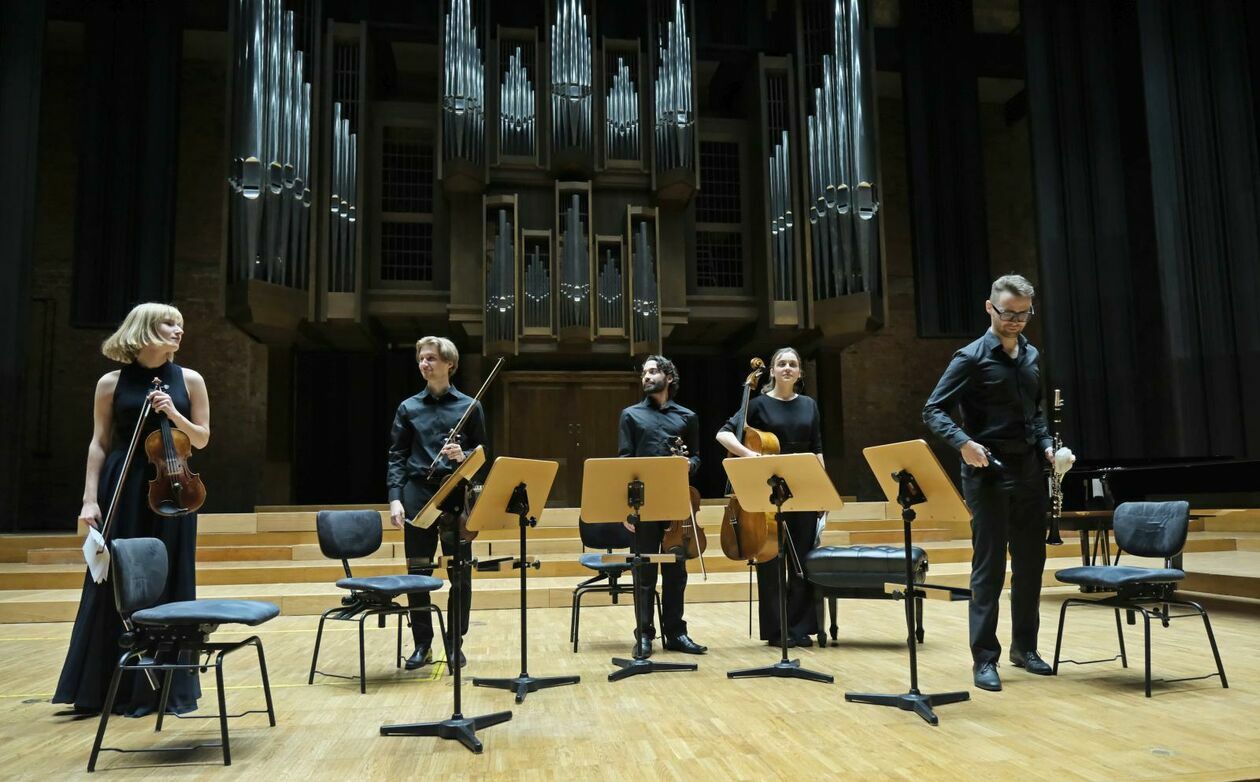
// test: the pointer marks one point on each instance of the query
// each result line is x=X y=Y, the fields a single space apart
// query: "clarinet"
x=1062 y=456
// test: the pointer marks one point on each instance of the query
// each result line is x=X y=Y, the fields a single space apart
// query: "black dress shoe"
x=1031 y=662
x=684 y=644
x=986 y=677
x=642 y=648
x=422 y=656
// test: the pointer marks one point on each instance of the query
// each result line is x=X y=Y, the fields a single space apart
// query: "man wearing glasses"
x=1002 y=438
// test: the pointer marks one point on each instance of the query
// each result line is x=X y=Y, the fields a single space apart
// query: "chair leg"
x=577 y=616
x=319 y=636
x=266 y=681
x=441 y=622
x=1207 y=625
x=820 y=621
x=223 y=718
x=1124 y=657
x=1146 y=625
x=362 y=660
x=918 y=619
x=660 y=615
x=398 y=646
x=106 y=709
x=164 y=698
x=1058 y=640
x=835 y=618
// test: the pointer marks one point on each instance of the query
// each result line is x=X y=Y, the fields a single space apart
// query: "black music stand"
x=516 y=491
x=903 y=469
x=458 y=727
x=810 y=490
x=654 y=490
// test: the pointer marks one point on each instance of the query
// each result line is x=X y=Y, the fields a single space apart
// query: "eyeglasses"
x=1013 y=317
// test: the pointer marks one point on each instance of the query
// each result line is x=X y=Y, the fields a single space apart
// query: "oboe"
x=1063 y=459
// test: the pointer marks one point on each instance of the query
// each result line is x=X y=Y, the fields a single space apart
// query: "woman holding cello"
x=793 y=419
x=145 y=344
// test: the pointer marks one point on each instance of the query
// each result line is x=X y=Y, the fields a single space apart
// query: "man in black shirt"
x=1002 y=439
x=418 y=436
x=646 y=430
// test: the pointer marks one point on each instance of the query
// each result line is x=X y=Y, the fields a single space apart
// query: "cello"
x=746 y=536
x=684 y=537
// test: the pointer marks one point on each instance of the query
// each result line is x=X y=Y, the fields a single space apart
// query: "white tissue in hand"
x=1063 y=459
x=96 y=554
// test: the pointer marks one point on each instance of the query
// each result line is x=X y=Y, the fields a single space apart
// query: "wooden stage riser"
x=311 y=551
x=320 y=600
x=69 y=575
x=731 y=588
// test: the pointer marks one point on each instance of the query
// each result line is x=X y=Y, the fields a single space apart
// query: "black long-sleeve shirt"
x=645 y=430
x=999 y=397
x=795 y=422
x=420 y=428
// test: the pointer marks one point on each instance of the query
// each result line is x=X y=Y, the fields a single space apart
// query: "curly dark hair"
x=666 y=366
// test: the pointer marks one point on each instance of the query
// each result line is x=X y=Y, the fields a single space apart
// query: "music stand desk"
x=515 y=493
x=641 y=489
x=782 y=484
x=464 y=471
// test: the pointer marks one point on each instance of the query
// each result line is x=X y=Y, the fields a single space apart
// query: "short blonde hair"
x=444 y=347
x=1015 y=284
x=138 y=331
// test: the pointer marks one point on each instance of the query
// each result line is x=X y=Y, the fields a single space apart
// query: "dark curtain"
x=945 y=168
x=1145 y=169
x=1201 y=111
x=22 y=45
x=128 y=144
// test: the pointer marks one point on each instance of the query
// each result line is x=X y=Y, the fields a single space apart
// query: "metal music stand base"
x=458 y=727
x=524 y=684
x=784 y=668
x=632 y=667
x=909 y=494
x=911 y=701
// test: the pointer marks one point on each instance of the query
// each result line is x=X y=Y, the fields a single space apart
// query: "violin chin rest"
x=168 y=508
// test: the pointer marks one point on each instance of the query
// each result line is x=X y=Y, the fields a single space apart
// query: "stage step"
x=1222 y=573
x=212 y=572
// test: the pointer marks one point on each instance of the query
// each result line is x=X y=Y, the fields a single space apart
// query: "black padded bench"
x=860 y=572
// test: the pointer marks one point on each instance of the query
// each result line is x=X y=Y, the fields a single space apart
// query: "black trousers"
x=422 y=544
x=648 y=536
x=1008 y=511
x=802 y=619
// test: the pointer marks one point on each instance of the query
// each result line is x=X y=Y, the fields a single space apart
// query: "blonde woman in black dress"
x=145 y=344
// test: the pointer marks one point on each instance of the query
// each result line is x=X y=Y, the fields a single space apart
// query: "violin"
x=750 y=537
x=177 y=490
x=684 y=537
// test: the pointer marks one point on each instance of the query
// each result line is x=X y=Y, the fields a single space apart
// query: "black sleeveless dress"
x=94 y=650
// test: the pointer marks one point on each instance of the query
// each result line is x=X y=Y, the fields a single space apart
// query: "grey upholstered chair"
x=347 y=535
x=1144 y=529
x=608 y=538
x=179 y=632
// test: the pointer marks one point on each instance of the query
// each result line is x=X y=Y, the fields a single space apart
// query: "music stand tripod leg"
x=784 y=668
x=524 y=684
x=913 y=700
x=633 y=667
x=458 y=727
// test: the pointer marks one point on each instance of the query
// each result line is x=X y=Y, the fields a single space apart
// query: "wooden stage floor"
x=1091 y=722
